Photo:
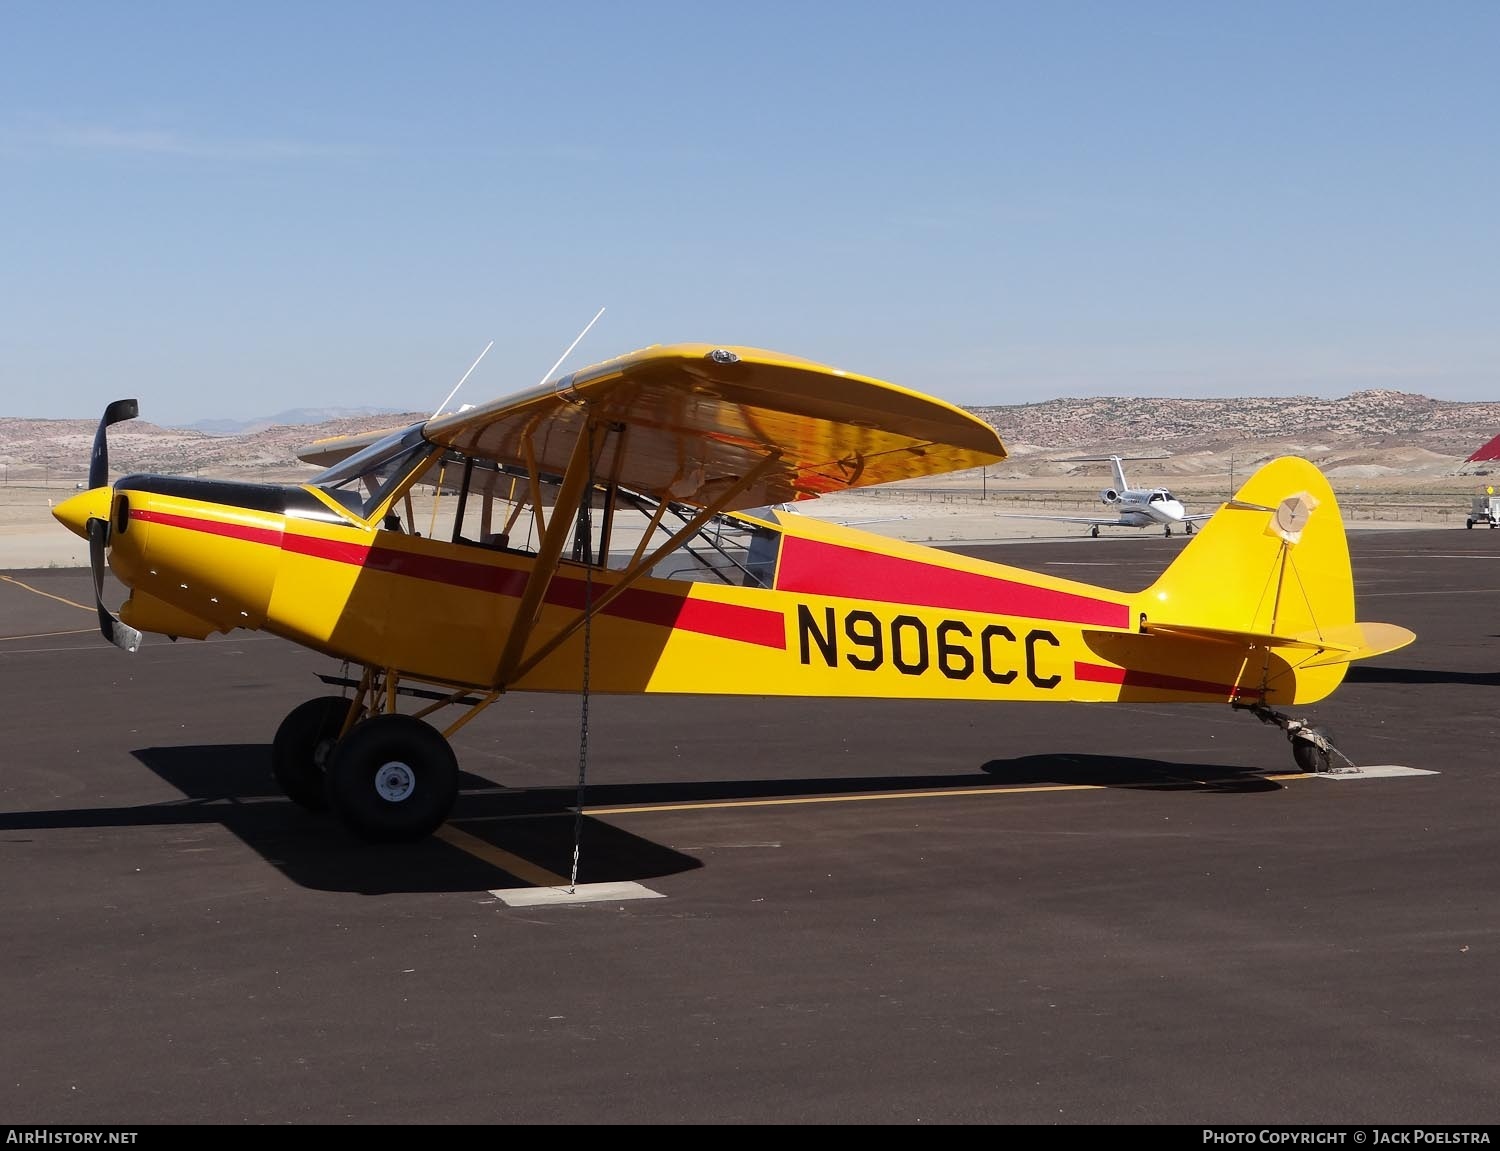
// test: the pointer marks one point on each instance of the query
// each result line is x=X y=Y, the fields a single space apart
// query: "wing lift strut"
x=402 y=763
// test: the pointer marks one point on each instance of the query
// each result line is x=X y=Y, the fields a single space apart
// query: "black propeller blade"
x=120 y=634
x=99 y=461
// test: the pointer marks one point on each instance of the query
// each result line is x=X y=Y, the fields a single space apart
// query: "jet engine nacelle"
x=1109 y=496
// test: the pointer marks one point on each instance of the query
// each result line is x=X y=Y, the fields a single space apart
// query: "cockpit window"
x=362 y=481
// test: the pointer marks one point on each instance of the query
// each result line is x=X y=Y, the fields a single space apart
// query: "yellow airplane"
x=537 y=580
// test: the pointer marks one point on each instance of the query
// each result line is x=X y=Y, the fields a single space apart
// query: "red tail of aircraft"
x=1490 y=451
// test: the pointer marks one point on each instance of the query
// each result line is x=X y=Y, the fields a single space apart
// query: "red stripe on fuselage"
x=725 y=621
x=815 y=568
x=269 y=536
x=1127 y=677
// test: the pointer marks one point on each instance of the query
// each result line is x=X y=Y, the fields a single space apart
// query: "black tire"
x=1469 y=524
x=1094 y=531
x=1309 y=756
x=301 y=749
x=1188 y=530
x=392 y=779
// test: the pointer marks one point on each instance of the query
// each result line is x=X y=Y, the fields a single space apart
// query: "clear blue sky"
x=232 y=209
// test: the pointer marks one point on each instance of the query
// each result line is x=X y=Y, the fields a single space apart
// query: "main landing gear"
x=387 y=777
x=304 y=741
x=393 y=778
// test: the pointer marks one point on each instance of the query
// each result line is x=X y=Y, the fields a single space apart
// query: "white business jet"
x=1133 y=507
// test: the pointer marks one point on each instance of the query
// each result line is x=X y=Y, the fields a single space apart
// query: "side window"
x=490 y=506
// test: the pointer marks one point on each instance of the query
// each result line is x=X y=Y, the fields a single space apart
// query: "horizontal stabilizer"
x=1341 y=644
x=1359 y=641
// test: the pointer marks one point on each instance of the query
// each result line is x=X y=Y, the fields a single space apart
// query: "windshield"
x=362 y=481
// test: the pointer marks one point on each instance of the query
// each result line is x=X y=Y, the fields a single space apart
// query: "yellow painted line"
x=48 y=594
x=1039 y=788
x=504 y=860
x=843 y=798
x=48 y=634
x=540 y=877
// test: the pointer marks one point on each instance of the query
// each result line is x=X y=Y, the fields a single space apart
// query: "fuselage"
x=823 y=610
x=1151 y=509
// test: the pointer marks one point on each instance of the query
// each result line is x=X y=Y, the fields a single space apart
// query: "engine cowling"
x=1109 y=496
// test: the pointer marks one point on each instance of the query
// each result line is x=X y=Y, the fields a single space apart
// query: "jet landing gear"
x=388 y=778
x=1312 y=747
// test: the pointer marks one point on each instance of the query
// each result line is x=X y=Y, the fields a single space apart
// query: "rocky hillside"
x=60 y=448
x=1372 y=418
x=1366 y=433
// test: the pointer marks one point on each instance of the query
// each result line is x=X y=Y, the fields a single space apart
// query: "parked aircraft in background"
x=1486 y=453
x=1133 y=507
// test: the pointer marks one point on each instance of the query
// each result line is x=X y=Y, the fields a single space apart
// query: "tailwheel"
x=1312 y=748
x=392 y=779
x=303 y=743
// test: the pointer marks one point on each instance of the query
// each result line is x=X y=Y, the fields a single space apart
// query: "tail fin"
x=1269 y=573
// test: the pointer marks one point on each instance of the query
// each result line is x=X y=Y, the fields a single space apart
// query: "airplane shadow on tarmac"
x=231 y=785
x=1420 y=675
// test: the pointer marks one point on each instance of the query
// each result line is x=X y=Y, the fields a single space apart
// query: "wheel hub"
x=395 y=781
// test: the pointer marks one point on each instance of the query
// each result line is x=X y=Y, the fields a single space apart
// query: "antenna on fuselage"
x=571 y=346
x=460 y=383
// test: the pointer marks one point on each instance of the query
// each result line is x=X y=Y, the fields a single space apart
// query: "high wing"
x=330 y=450
x=694 y=421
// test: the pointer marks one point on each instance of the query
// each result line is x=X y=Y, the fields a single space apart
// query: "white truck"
x=1485 y=508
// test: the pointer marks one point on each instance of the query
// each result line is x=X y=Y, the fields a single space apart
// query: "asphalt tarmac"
x=859 y=913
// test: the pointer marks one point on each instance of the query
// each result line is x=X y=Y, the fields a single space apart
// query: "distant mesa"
x=296 y=417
